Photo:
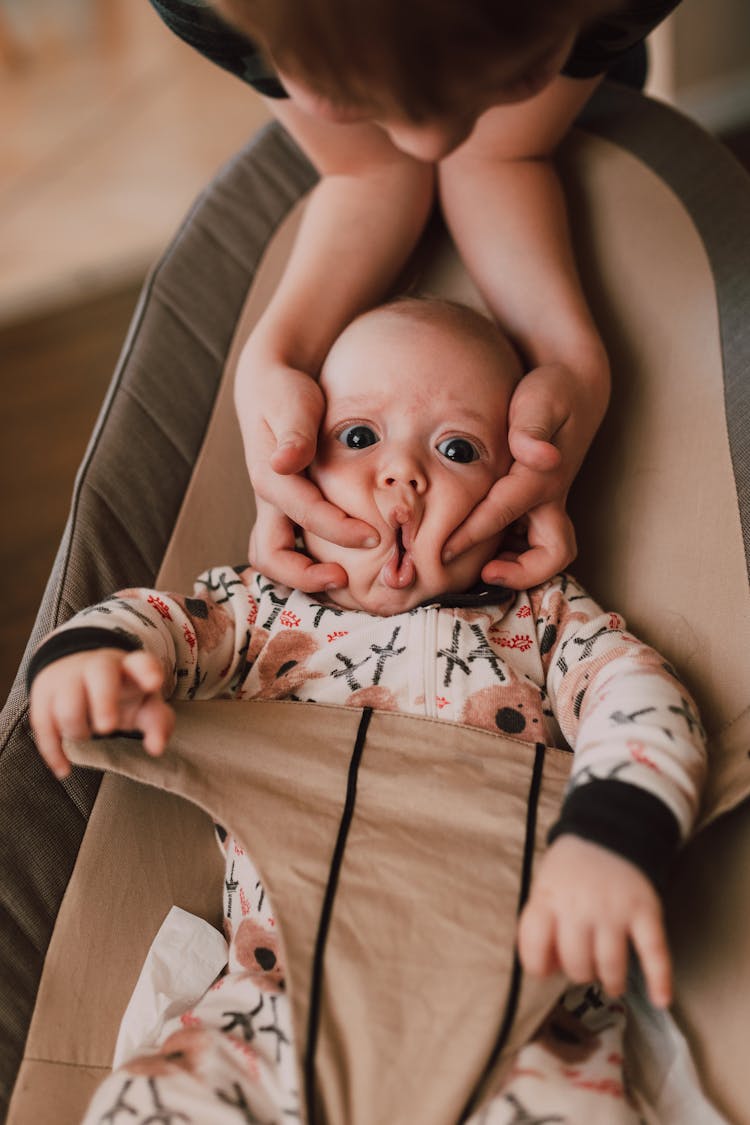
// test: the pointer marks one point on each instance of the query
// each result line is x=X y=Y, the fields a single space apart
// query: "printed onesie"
x=547 y=665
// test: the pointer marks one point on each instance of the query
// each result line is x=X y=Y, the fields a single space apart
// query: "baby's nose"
x=399 y=501
x=395 y=482
x=402 y=473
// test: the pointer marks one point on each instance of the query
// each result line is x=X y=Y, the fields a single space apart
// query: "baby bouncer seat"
x=385 y=816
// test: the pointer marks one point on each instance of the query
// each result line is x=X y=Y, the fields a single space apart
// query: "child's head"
x=433 y=64
x=414 y=435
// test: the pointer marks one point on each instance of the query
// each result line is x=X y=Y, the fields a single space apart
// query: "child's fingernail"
x=371 y=541
x=333 y=586
x=448 y=556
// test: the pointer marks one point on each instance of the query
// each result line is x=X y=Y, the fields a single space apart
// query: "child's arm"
x=360 y=226
x=98 y=692
x=505 y=208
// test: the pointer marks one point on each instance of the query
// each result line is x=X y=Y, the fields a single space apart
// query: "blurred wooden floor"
x=61 y=365
x=110 y=127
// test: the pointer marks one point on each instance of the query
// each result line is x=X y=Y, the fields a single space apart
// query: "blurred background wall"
x=110 y=126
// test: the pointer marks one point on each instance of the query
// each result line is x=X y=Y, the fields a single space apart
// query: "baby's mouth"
x=399 y=572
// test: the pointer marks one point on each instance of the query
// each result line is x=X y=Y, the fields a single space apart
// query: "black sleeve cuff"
x=82 y=639
x=627 y=820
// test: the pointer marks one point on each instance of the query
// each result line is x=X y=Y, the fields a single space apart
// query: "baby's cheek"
x=466 y=570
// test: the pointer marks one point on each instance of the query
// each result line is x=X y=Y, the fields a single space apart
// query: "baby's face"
x=414 y=435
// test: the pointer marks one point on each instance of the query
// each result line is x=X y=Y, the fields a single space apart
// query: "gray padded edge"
x=715 y=191
x=126 y=499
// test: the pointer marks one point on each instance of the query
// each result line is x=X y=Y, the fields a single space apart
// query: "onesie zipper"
x=429 y=660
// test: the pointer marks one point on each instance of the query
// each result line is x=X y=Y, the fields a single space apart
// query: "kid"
x=398 y=106
x=409 y=441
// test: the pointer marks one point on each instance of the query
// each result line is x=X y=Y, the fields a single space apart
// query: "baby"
x=409 y=443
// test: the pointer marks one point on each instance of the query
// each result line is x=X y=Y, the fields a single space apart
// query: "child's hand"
x=282 y=417
x=586 y=906
x=98 y=692
x=552 y=421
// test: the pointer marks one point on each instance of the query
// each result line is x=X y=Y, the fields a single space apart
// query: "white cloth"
x=184 y=960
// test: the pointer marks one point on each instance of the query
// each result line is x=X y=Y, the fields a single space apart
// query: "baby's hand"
x=586 y=905
x=98 y=692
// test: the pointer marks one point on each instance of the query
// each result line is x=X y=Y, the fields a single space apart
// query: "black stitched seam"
x=511 y=1004
x=313 y=1021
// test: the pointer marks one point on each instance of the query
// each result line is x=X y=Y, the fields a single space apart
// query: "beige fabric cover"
x=660 y=540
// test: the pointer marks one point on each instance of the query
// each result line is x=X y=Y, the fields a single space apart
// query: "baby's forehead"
x=403 y=337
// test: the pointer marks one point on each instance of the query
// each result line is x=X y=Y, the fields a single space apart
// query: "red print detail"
x=248 y=1053
x=441 y=701
x=160 y=606
x=615 y=621
x=244 y=904
x=616 y=1058
x=520 y=641
x=597 y=1085
x=524 y=611
x=526 y=1072
x=188 y=1019
x=290 y=620
x=638 y=754
x=189 y=637
x=335 y=636
x=271 y=921
x=237 y=849
x=252 y=612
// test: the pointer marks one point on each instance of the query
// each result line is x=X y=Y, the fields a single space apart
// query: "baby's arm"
x=504 y=205
x=360 y=225
x=640 y=761
x=98 y=692
x=114 y=664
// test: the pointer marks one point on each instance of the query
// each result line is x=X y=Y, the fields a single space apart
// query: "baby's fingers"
x=536 y=940
x=145 y=670
x=650 y=942
x=56 y=716
x=102 y=680
x=611 y=957
x=155 y=720
x=575 y=949
x=49 y=743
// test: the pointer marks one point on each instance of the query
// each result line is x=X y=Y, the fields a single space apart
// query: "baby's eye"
x=358 y=436
x=458 y=449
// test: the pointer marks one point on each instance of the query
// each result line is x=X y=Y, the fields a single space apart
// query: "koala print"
x=257 y=949
x=517 y=708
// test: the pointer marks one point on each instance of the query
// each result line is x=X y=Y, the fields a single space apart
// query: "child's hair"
x=419 y=57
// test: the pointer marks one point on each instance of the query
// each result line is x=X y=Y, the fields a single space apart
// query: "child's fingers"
x=552 y=546
x=650 y=943
x=611 y=958
x=534 y=449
